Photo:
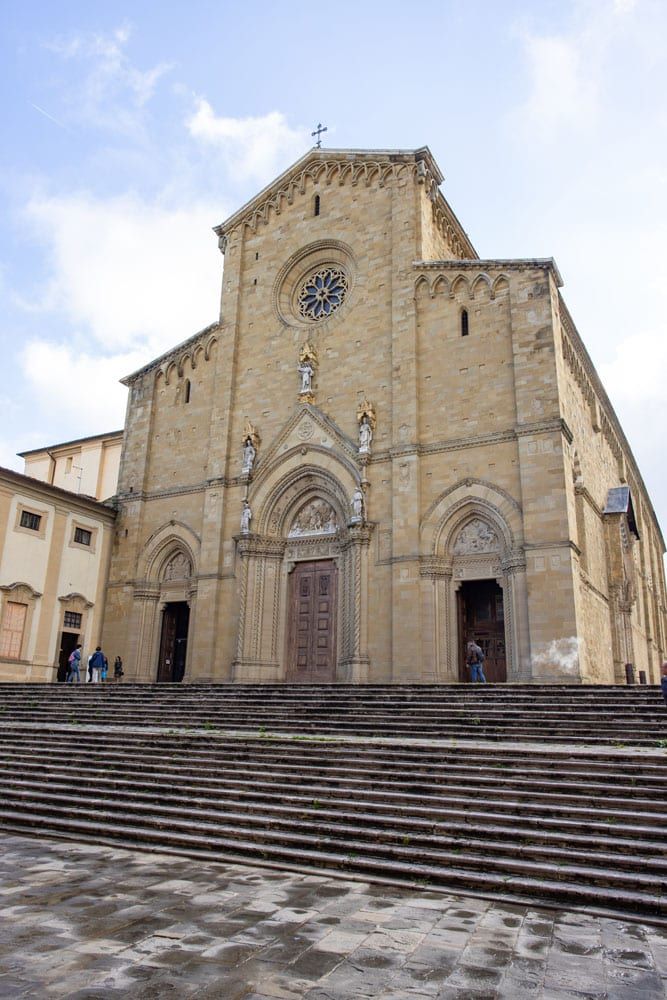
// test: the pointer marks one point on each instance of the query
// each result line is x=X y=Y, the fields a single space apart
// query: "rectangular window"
x=72 y=620
x=29 y=520
x=68 y=465
x=82 y=536
x=13 y=624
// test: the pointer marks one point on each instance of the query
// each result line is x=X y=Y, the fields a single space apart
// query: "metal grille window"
x=82 y=536
x=72 y=619
x=29 y=520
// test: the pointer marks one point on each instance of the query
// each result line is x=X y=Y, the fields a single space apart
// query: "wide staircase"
x=554 y=794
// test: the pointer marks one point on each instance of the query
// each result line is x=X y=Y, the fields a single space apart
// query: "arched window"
x=464 y=323
x=316 y=205
x=186 y=391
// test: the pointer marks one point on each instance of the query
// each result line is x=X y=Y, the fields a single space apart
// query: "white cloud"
x=113 y=92
x=628 y=376
x=567 y=71
x=127 y=272
x=78 y=385
x=253 y=148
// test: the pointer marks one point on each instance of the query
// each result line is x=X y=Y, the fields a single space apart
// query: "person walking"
x=96 y=664
x=74 y=662
x=663 y=680
x=475 y=660
x=118 y=669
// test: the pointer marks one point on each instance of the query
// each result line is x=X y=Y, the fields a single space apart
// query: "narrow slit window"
x=186 y=391
x=464 y=323
x=316 y=205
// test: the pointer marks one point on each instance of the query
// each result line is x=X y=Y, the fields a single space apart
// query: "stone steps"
x=585 y=715
x=566 y=819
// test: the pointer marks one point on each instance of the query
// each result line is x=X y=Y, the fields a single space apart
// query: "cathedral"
x=385 y=447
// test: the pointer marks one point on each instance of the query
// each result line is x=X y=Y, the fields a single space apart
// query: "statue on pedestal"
x=366 y=421
x=306 y=368
x=250 y=446
x=357 y=506
x=246 y=517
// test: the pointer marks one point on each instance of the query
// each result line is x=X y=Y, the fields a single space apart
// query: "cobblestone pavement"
x=96 y=922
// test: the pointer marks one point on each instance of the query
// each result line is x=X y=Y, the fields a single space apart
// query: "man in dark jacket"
x=663 y=679
x=96 y=664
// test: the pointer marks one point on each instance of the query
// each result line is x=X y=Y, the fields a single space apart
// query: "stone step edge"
x=550 y=751
x=50 y=802
x=546 y=810
x=547 y=830
x=608 y=852
x=262 y=777
x=574 y=892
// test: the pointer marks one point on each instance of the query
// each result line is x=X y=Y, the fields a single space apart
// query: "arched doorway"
x=303 y=583
x=172 y=656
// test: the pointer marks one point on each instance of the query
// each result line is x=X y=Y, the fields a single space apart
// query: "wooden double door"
x=311 y=629
x=482 y=618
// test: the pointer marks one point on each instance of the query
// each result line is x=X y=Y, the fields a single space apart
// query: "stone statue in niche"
x=178 y=568
x=246 y=518
x=316 y=518
x=306 y=368
x=476 y=536
x=249 y=453
x=366 y=421
x=365 y=436
x=357 y=506
x=251 y=441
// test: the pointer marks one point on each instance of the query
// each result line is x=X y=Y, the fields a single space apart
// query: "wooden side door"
x=311 y=645
x=167 y=645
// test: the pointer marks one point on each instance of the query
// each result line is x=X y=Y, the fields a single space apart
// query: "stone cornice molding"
x=177 y=355
x=435 y=567
x=545 y=427
x=357 y=534
x=10 y=588
x=260 y=545
x=579 y=362
x=498 y=263
x=348 y=166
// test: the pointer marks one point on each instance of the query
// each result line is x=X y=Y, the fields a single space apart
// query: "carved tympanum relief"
x=476 y=536
x=315 y=518
x=178 y=568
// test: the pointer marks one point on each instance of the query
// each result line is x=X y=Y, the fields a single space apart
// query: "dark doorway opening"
x=173 y=642
x=311 y=631
x=68 y=641
x=482 y=618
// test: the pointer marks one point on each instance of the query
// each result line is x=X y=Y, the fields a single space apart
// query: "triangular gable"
x=307 y=427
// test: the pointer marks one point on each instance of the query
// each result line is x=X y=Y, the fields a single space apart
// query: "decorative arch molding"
x=21 y=591
x=75 y=602
x=474 y=531
x=284 y=492
x=270 y=553
x=442 y=285
x=163 y=545
x=472 y=493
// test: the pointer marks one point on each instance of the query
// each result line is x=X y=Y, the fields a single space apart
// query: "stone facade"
x=484 y=492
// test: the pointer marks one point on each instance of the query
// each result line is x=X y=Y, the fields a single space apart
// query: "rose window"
x=322 y=293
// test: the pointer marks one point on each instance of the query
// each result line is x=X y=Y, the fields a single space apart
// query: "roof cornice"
x=354 y=166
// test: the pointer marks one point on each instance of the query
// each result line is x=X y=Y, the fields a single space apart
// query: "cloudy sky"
x=130 y=129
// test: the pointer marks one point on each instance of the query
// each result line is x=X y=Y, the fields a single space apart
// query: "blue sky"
x=129 y=130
